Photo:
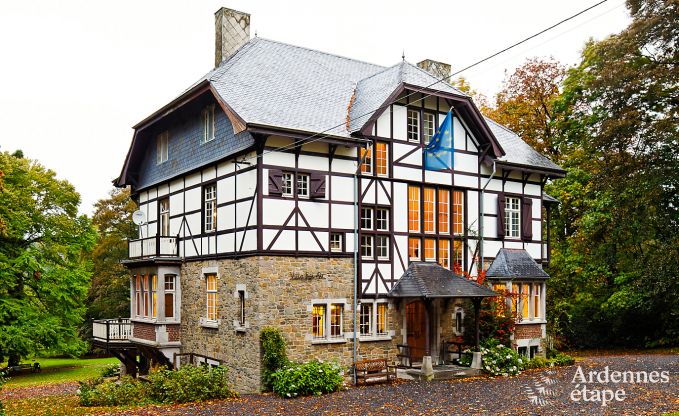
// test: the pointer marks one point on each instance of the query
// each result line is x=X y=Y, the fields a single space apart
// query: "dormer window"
x=413 y=125
x=208 y=123
x=162 y=147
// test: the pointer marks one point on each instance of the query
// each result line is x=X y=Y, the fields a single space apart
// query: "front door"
x=416 y=327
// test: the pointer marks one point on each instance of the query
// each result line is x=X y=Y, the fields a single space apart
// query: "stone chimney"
x=437 y=69
x=232 y=30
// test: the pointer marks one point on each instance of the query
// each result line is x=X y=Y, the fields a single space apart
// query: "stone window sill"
x=528 y=322
x=329 y=341
x=374 y=338
x=209 y=324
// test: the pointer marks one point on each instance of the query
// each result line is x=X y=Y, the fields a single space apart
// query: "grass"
x=59 y=370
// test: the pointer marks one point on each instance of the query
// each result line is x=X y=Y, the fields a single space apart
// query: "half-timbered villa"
x=286 y=188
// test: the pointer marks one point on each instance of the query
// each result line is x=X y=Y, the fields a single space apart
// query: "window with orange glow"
x=444 y=210
x=429 y=249
x=458 y=212
x=414 y=249
x=367 y=157
x=525 y=300
x=457 y=253
x=381 y=165
x=536 y=301
x=211 y=290
x=413 y=209
x=444 y=253
x=429 y=202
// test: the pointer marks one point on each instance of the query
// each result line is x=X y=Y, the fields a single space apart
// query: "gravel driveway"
x=537 y=392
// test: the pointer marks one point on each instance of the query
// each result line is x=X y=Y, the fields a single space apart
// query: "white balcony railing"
x=156 y=246
x=111 y=330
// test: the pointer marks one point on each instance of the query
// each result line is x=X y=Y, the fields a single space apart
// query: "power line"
x=323 y=134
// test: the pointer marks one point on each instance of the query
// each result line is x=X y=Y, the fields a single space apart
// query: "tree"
x=43 y=273
x=616 y=257
x=525 y=103
x=479 y=99
x=109 y=294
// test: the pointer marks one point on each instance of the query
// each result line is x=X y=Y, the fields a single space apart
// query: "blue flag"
x=438 y=153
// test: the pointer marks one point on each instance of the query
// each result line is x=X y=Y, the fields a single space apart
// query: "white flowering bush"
x=499 y=360
x=312 y=378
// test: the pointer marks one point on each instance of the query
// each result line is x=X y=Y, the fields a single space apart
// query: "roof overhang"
x=551 y=173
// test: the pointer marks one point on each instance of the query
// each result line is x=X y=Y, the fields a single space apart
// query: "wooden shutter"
x=501 y=216
x=317 y=185
x=527 y=219
x=275 y=182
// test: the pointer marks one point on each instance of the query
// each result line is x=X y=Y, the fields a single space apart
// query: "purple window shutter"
x=275 y=182
x=317 y=185
x=527 y=219
x=501 y=216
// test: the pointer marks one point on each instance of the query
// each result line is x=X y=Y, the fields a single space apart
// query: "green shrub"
x=500 y=360
x=312 y=378
x=560 y=359
x=110 y=370
x=537 y=362
x=189 y=384
x=466 y=358
x=274 y=356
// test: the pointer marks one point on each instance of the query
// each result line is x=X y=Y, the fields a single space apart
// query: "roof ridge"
x=377 y=73
x=319 y=51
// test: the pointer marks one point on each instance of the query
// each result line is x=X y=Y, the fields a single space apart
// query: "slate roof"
x=516 y=150
x=548 y=199
x=515 y=264
x=430 y=280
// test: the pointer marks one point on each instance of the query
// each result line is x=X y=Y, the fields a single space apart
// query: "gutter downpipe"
x=355 y=305
x=481 y=215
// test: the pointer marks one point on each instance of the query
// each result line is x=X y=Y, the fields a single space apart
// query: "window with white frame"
x=241 y=307
x=335 y=242
x=366 y=218
x=537 y=300
x=302 y=185
x=326 y=321
x=367 y=246
x=211 y=296
x=145 y=296
x=373 y=318
x=162 y=144
x=428 y=126
x=210 y=208
x=208 y=123
x=367 y=158
x=414 y=249
x=381 y=159
x=169 y=286
x=382 y=247
x=288 y=183
x=164 y=217
x=512 y=217
x=413 y=125
x=382 y=219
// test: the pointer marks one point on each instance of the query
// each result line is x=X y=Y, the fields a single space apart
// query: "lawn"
x=59 y=370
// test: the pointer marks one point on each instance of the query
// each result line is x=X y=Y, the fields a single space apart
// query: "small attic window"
x=161 y=147
x=208 y=123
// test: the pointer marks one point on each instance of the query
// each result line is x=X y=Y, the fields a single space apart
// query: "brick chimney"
x=437 y=69
x=232 y=30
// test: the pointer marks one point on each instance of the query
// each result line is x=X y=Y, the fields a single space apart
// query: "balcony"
x=111 y=332
x=156 y=246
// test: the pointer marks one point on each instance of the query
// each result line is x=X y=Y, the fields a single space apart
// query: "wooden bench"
x=16 y=369
x=374 y=371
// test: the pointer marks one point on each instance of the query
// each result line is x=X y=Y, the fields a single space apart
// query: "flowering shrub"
x=499 y=360
x=312 y=378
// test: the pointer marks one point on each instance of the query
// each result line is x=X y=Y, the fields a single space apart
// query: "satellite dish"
x=138 y=217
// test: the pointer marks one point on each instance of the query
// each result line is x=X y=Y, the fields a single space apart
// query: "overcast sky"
x=76 y=75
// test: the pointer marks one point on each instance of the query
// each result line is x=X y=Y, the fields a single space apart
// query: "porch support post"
x=477 y=311
x=427 y=324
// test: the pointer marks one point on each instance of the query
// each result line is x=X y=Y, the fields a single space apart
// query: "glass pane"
x=335 y=320
x=318 y=321
x=169 y=305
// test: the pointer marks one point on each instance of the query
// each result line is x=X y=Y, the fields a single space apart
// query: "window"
x=164 y=217
x=382 y=219
x=367 y=158
x=210 y=208
x=211 y=291
x=335 y=242
x=536 y=301
x=444 y=210
x=458 y=212
x=429 y=126
x=138 y=294
x=458 y=257
x=303 y=185
x=365 y=324
x=382 y=247
x=429 y=249
x=169 y=285
x=154 y=291
x=512 y=211
x=413 y=125
x=429 y=203
x=444 y=253
x=318 y=321
x=162 y=147
x=525 y=300
x=208 y=121
x=145 y=294
x=373 y=318
x=381 y=157
x=459 y=321
x=287 y=183
x=241 y=309
x=326 y=321
x=366 y=218
x=366 y=246
x=413 y=209
x=414 y=249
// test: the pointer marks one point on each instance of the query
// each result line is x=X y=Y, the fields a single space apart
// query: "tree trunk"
x=13 y=359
